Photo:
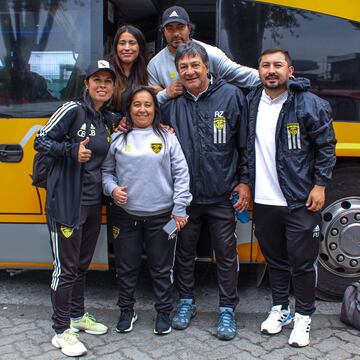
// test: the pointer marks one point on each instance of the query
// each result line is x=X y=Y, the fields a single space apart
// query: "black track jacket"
x=60 y=138
x=212 y=134
x=305 y=141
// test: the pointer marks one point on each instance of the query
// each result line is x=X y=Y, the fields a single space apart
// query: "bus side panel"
x=27 y=246
x=24 y=237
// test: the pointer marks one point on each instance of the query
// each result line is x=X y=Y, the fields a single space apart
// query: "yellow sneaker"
x=88 y=324
x=68 y=342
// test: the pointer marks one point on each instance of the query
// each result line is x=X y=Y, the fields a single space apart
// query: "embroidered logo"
x=156 y=147
x=174 y=13
x=316 y=231
x=293 y=130
x=82 y=130
x=103 y=64
x=115 y=232
x=92 y=130
x=66 y=231
x=219 y=128
x=173 y=75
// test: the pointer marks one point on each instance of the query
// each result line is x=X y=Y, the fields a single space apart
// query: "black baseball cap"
x=175 y=14
x=100 y=65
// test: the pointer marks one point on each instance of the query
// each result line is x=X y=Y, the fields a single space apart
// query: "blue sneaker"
x=226 y=329
x=185 y=311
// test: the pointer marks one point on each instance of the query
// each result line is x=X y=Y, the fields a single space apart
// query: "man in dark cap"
x=177 y=30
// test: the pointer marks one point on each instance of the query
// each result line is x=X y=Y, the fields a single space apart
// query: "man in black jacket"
x=210 y=122
x=291 y=149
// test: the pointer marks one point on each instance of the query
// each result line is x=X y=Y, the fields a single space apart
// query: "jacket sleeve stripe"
x=57 y=116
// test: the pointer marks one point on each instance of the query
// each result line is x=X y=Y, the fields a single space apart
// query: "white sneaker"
x=276 y=320
x=69 y=343
x=300 y=335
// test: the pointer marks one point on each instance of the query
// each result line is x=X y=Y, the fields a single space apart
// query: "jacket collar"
x=213 y=85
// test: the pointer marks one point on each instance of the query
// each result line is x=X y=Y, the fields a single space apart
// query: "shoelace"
x=89 y=318
x=71 y=337
x=227 y=320
x=126 y=315
x=303 y=324
x=163 y=317
x=275 y=313
x=184 y=309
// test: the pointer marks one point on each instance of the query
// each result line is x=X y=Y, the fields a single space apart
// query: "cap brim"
x=105 y=69
x=181 y=21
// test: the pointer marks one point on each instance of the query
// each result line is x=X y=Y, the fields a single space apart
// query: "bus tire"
x=339 y=255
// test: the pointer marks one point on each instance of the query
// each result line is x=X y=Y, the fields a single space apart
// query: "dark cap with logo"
x=175 y=14
x=100 y=65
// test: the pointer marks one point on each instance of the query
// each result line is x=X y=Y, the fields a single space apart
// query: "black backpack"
x=350 y=309
x=43 y=163
x=41 y=168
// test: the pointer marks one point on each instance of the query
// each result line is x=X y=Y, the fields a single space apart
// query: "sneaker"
x=69 y=343
x=126 y=321
x=88 y=324
x=300 y=335
x=162 y=324
x=185 y=311
x=276 y=320
x=226 y=329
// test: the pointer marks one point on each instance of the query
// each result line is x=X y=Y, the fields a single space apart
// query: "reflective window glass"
x=44 y=49
x=324 y=48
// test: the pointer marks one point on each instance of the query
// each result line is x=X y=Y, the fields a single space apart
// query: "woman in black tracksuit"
x=77 y=137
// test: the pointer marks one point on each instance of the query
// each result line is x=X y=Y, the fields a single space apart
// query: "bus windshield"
x=44 y=48
x=324 y=49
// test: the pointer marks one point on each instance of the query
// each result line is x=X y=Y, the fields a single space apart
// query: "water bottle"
x=242 y=216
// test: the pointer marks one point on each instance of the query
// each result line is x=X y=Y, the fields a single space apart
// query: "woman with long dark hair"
x=77 y=138
x=129 y=57
x=146 y=174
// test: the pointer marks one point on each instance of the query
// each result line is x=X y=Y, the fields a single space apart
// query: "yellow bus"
x=45 y=47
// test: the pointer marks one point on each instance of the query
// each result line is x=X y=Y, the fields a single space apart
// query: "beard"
x=278 y=84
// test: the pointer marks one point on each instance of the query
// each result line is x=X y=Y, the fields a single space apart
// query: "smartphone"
x=170 y=227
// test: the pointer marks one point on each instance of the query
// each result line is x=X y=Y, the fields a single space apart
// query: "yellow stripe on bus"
x=348 y=149
x=347 y=9
x=49 y=265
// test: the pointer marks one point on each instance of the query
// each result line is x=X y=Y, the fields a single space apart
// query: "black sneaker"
x=126 y=321
x=162 y=324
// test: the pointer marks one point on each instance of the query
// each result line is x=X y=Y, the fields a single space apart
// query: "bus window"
x=325 y=49
x=44 y=48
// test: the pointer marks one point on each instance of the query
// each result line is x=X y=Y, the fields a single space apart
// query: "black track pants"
x=289 y=240
x=72 y=251
x=221 y=221
x=131 y=235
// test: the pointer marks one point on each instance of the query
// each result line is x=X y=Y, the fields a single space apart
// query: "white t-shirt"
x=267 y=188
x=162 y=70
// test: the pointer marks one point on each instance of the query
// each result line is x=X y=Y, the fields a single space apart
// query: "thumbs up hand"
x=84 y=154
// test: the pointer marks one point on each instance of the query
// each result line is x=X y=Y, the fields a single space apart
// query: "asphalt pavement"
x=25 y=323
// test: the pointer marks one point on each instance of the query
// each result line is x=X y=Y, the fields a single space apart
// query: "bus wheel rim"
x=340 y=237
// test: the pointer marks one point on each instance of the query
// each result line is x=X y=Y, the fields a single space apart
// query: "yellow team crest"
x=293 y=128
x=156 y=147
x=219 y=123
x=66 y=231
x=115 y=232
x=173 y=75
x=219 y=126
x=293 y=134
